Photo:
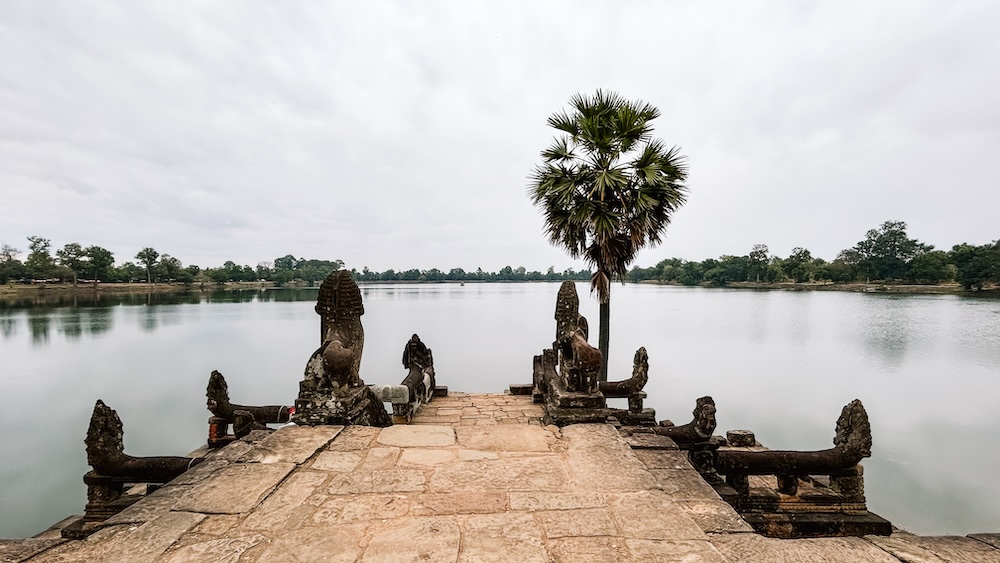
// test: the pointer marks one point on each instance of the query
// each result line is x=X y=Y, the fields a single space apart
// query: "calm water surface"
x=780 y=363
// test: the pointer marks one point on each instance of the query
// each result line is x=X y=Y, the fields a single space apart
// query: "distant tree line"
x=886 y=254
x=89 y=264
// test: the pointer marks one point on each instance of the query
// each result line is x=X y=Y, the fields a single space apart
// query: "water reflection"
x=70 y=323
x=39 y=322
x=8 y=323
x=884 y=328
x=779 y=363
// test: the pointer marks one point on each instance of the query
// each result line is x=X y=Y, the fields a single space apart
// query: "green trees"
x=39 y=263
x=73 y=257
x=886 y=251
x=147 y=256
x=288 y=268
x=758 y=262
x=99 y=262
x=933 y=266
x=607 y=188
x=10 y=266
x=977 y=265
x=799 y=265
x=727 y=269
x=169 y=268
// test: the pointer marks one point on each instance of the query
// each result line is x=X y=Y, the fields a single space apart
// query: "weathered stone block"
x=502 y=537
x=634 y=514
x=417 y=436
x=426 y=457
x=336 y=462
x=491 y=475
x=414 y=539
x=234 y=489
x=753 y=547
x=556 y=501
x=579 y=522
x=514 y=438
x=360 y=508
x=655 y=551
x=440 y=504
x=279 y=506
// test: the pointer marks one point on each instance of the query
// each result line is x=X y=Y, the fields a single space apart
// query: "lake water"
x=782 y=364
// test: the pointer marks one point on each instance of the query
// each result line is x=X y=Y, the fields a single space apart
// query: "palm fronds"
x=606 y=187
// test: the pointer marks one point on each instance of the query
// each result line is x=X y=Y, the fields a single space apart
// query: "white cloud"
x=400 y=135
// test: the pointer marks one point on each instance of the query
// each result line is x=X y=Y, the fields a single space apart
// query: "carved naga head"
x=217 y=392
x=704 y=416
x=104 y=436
x=854 y=433
x=640 y=366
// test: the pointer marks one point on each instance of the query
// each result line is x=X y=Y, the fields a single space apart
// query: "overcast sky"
x=402 y=134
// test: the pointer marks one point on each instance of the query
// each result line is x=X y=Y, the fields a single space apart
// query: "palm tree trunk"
x=605 y=336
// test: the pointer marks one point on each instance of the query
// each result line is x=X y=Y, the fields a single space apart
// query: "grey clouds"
x=401 y=134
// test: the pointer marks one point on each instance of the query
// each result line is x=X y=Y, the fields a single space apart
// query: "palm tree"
x=607 y=188
x=148 y=258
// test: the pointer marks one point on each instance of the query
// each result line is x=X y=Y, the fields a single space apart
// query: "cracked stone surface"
x=474 y=478
x=235 y=488
x=417 y=436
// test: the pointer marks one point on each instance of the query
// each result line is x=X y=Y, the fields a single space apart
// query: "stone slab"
x=432 y=504
x=507 y=438
x=426 y=457
x=752 y=547
x=291 y=444
x=469 y=455
x=154 y=505
x=336 y=462
x=585 y=522
x=684 y=484
x=663 y=459
x=944 y=548
x=285 y=501
x=217 y=524
x=650 y=515
x=714 y=516
x=354 y=438
x=991 y=539
x=502 y=537
x=380 y=481
x=234 y=489
x=334 y=543
x=19 y=550
x=421 y=420
x=199 y=472
x=556 y=501
x=435 y=538
x=378 y=458
x=904 y=551
x=221 y=550
x=360 y=508
x=126 y=543
x=422 y=436
x=600 y=460
x=650 y=441
x=602 y=549
x=542 y=473
x=657 y=551
x=231 y=451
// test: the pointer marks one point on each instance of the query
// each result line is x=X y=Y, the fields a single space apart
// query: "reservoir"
x=780 y=363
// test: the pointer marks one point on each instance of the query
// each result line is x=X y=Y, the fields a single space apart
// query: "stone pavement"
x=475 y=478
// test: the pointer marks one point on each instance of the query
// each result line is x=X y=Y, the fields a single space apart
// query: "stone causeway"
x=473 y=478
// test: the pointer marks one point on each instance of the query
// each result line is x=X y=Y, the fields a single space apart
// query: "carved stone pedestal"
x=357 y=405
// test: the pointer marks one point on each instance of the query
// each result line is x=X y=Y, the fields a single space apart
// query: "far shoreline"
x=14 y=291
